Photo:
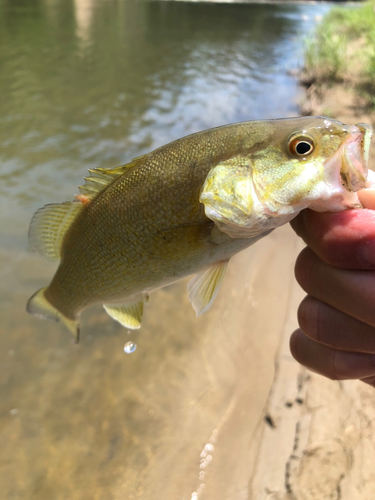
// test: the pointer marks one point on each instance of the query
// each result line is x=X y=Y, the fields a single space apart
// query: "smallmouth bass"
x=186 y=208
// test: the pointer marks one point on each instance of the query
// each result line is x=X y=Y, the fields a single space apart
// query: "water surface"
x=89 y=83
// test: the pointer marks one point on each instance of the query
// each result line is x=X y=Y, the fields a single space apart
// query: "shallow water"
x=87 y=83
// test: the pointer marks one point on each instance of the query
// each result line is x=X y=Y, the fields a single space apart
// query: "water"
x=130 y=347
x=88 y=83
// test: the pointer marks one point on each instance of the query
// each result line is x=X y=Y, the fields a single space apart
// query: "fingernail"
x=367 y=253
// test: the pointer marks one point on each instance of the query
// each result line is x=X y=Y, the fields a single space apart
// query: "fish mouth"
x=349 y=165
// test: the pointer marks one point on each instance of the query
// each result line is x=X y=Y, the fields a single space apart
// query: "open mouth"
x=352 y=158
x=354 y=166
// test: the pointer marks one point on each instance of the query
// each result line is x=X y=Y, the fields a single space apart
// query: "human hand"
x=337 y=270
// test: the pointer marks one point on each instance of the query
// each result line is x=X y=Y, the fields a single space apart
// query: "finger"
x=351 y=292
x=332 y=363
x=333 y=328
x=367 y=198
x=369 y=380
x=343 y=239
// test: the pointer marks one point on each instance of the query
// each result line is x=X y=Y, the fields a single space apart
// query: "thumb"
x=367 y=198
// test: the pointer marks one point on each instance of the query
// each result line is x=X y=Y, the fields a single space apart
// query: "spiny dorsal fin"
x=49 y=226
x=100 y=178
x=204 y=286
x=129 y=315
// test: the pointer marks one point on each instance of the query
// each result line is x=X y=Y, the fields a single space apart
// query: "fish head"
x=314 y=162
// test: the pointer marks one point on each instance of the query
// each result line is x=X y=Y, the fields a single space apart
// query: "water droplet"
x=11 y=353
x=130 y=347
x=209 y=447
x=13 y=412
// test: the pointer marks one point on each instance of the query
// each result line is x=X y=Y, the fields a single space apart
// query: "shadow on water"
x=88 y=83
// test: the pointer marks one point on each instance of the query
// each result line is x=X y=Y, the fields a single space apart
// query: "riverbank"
x=323 y=430
x=339 y=73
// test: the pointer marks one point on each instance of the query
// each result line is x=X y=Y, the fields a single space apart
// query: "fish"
x=186 y=208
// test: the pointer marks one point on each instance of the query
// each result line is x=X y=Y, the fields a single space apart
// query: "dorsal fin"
x=49 y=226
x=100 y=178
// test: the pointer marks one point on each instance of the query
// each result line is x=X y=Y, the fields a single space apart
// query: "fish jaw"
x=346 y=172
x=367 y=136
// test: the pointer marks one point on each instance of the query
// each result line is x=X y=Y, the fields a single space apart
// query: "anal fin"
x=129 y=315
x=204 y=286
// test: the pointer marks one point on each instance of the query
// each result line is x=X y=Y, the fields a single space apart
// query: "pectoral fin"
x=204 y=286
x=129 y=315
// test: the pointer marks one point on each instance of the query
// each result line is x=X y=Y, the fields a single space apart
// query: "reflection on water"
x=87 y=83
x=83 y=15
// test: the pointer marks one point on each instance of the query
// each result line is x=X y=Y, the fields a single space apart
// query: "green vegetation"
x=343 y=47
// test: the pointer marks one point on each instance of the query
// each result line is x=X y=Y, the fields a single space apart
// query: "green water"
x=88 y=83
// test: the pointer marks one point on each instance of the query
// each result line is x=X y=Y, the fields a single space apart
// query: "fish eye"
x=301 y=145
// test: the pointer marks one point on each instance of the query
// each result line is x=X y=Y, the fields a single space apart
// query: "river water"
x=89 y=83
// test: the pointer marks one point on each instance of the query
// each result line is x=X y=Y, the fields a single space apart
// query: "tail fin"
x=39 y=306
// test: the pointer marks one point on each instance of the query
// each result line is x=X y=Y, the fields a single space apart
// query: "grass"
x=343 y=47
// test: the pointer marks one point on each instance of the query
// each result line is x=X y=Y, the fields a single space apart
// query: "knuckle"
x=304 y=267
x=309 y=318
x=330 y=252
